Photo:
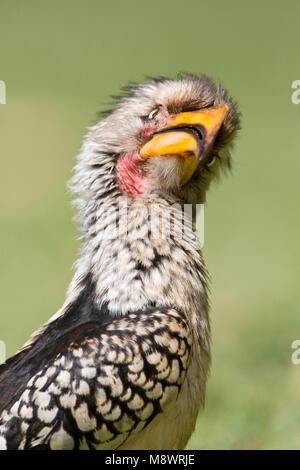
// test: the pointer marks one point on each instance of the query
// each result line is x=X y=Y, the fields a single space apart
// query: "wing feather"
x=107 y=383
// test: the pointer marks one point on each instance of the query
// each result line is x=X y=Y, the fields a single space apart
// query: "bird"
x=124 y=363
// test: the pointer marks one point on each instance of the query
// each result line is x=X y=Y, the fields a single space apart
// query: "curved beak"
x=190 y=135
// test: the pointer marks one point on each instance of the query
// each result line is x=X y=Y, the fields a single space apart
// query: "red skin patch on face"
x=147 y=131
x=130 y=174
x=160 y=121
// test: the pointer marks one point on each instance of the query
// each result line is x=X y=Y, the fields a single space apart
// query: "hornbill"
x=123 y=364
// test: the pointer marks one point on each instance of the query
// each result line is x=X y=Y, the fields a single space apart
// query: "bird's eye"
x=211 y=161
x=153 y=113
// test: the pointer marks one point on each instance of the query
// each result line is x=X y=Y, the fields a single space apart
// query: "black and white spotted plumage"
x=104 y=383
x=124 y=363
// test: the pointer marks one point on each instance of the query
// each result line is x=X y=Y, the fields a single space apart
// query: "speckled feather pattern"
x=104 y=389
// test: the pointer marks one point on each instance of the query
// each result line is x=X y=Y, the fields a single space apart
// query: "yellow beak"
x=189 y=135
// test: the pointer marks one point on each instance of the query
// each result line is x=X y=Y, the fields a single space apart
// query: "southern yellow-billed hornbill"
x=124 y=363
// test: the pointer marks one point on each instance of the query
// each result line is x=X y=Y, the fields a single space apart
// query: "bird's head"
x=169 y=136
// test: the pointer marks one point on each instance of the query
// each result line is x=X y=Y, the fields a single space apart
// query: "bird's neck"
x=139 y=253
x=136 y=255
x=125 y=264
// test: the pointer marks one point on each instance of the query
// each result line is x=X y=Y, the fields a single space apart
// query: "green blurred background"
x=61 y=60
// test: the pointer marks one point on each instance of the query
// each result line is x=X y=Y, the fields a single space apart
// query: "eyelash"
x=153 y=113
